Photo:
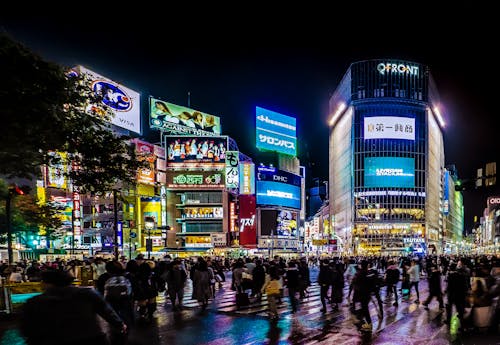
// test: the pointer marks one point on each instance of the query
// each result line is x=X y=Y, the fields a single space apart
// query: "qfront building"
x=386 y=158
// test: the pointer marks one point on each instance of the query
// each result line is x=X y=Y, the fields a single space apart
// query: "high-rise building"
x=386 y=176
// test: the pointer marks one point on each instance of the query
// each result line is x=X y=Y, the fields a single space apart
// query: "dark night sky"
x=291 y=68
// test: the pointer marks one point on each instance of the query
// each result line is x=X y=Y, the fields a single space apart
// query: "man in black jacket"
x=457 y=291
x=292 y=276
x=64 y=314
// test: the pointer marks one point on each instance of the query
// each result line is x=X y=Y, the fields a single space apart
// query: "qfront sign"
x=394 y=68
x=275 y=132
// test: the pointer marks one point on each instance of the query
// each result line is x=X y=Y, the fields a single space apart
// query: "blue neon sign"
x=275 y=132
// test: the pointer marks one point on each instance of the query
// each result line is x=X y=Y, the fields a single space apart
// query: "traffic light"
x=19 y=190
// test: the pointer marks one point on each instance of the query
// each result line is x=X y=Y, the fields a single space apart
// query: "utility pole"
x=9 y=227
x=115 y=224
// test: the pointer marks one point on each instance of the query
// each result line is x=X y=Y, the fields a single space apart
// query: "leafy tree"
x=28 y=216
x=44 y=109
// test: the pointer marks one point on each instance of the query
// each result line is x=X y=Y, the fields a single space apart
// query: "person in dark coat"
x=324 y=281
x=72 y=309
x=362 y=294
x=305 y=281
x=292 y=276
x=337 y=269
x=456 y=291
x=258 y=278
x=201 y=283
x=391 y=279
x=434 y=288
x=176 y=280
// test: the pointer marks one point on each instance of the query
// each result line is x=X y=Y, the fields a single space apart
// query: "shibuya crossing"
x=389 y=189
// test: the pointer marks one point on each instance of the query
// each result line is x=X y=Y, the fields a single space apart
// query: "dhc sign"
x=384 y=68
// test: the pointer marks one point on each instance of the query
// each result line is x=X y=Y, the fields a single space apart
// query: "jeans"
x=416 y=289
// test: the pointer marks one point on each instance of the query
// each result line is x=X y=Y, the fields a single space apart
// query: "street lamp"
x=149 y=224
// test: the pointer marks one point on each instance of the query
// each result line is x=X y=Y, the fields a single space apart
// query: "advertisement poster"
x=232 y=171
x=247 y=178
x=124 y=103
x=247 y=222
x=56 y=173
x=191 y=150
x=168 y=116
x=145 y=152
x=275 y=132
x=389 y=127
x=389 y=172
x=199 y=179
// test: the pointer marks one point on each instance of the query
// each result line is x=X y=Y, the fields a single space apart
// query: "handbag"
x=273 y=288
x=246 y=275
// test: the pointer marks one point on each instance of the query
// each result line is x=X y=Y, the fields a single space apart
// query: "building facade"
x=386 y=157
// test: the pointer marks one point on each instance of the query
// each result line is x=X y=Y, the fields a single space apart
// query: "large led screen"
x=191 y=149
x=278 y=223
x=168 y=116
x=275 y=132
x=389 y=172
x=389 y=127
x=278 y=194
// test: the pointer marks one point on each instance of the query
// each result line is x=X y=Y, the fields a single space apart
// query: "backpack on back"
x=117 y=287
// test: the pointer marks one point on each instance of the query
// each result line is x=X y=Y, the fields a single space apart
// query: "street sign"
x=133 y=234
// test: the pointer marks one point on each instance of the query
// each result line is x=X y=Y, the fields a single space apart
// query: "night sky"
x=291 y=68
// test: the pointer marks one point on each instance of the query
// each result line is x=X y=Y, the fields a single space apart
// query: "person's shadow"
x=274 y=333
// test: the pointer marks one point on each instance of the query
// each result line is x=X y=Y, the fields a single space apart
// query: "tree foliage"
x=28 y=216
x=44 y=110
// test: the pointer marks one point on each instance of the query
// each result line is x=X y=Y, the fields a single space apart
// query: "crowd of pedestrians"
x=124 y=292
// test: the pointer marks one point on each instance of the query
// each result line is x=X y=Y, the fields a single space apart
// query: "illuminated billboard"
x=389 y=127
x=278 y=223
x=192 y=150
x=198 y=179
x=247 y=178
x=275 y=132
x=247 y=222
x=124 y=103
x=278 y=194
x=56 y=173
x=171 y=117
x=389 y=172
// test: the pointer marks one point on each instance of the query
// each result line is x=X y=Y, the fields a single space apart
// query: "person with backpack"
x=118 y=293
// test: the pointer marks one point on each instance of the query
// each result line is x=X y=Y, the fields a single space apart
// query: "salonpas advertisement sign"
x=275 y=132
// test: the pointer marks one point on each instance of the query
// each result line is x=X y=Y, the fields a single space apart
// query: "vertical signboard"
x=163 y=203
x=232 y=172
x=446 y=192
x=145 y=152
x=247 y=223
x=247 y=178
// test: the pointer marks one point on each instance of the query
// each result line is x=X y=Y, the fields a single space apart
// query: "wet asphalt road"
x=224 y=323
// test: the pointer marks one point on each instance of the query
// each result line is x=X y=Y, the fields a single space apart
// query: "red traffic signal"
x=19 y=190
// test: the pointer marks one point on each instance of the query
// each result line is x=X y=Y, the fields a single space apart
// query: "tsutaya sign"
x=387 y=67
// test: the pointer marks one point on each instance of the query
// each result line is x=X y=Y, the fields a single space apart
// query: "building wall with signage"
x=386 y=154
